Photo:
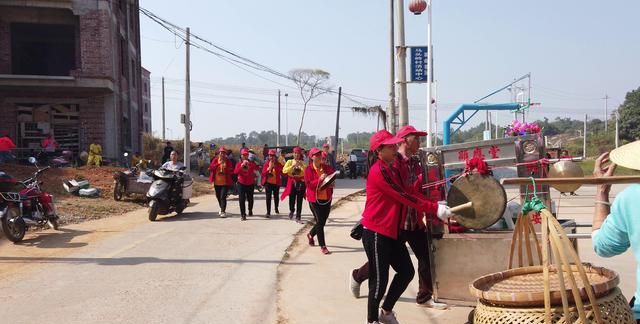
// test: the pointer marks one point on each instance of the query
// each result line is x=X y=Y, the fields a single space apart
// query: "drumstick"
x=461 y=207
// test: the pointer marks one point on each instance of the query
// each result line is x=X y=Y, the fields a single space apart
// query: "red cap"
x=314 y=151
x=409 y=130
x=325 y=145
x=222 y=149
x=382 y=137
x=297 y=149
x=272 y=152
x=244 y=151
x=325 y=155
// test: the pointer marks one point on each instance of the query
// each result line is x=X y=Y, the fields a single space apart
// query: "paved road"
x=196 y=268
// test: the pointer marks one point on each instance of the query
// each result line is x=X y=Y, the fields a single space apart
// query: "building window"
x=123 y=5
x=126 y=131
x=146 y=108
x=43 y=49
x=146 y=128
x=145 y=88
x=123 y=56
x=133 y=73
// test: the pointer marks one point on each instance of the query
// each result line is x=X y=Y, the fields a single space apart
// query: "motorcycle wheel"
x=118 y=191
x=153 y=212
x=181 y=207
x=15 y=230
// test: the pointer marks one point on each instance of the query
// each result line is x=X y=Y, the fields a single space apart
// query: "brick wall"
x=92 y=122
x=5 y=48
x=8 y=120
x=96 y=48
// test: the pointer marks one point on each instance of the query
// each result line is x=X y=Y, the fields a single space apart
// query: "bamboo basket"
x=613 y=309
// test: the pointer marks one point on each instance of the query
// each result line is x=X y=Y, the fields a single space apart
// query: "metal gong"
x=487 y=195
x=566 y=169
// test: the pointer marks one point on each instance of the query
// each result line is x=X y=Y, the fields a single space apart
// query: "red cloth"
x=246 y=177
x=278 y=172
x=228 y=171
x=312 y=180
x=386 y=197
x=479 y=164
x=49 y=141
x=6 y=144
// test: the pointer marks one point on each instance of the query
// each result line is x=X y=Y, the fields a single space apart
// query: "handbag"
x=356 y=231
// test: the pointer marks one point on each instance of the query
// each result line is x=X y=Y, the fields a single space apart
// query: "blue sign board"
x=419 y=64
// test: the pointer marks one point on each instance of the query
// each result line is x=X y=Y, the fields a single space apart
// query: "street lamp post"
x=417 y=7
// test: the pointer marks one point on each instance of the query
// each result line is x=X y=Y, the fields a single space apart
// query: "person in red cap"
x=6 y=145
x=319 y=199
x=381 y=220
x=412 y=227
x=271 y=180
x=220 y=171
x=245 y=170
x=296 y=188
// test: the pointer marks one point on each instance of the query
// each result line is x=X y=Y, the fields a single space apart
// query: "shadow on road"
x=127 y=261
x=60 y=239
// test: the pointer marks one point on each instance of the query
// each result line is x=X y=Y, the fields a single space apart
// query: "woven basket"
x=525 y=286
x=614 y=309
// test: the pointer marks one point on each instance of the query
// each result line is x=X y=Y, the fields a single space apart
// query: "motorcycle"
x=170 y=192
x=57 y=161
x=29 y=207
x=128 y=182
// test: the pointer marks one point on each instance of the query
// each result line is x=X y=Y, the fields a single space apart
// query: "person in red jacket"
x=319 y=199
x=413 y=229
x=271 y=180
x=246 y=171
x=221 y=170
x=381 y=219
x=6 y=145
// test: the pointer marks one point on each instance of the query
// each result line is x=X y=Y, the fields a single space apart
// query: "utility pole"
x=278 y=138
x=606 y=113
x=392 y=73
x=429 y=77
x=435 y=114
x=163 y=114
x=335 y=141
x=187 y=107
x=286 y=119
x=402 y=67
x=617 y=129
x=584 y=137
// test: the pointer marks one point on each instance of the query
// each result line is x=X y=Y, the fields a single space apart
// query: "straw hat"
x=627 y=156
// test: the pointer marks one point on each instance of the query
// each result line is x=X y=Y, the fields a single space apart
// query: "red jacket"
x=214 y=167
x=277 y=167
x=386 y=198
x=246 y=177
x=6 y=144
x=312 y=180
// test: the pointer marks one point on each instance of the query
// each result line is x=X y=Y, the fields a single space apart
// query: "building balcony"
x=56 y=4
x=26 y=85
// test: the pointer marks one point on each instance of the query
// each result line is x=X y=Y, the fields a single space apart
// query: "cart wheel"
x=118 y=191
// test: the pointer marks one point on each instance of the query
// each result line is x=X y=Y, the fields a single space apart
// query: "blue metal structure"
x=459 y=118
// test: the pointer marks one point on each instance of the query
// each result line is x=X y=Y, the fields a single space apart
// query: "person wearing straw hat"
x=319 y=199
x=615 y=226
x=220 y=171
x=271 y=180
x=381 y=221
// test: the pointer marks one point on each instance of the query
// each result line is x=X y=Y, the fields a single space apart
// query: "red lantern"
x=418 y=6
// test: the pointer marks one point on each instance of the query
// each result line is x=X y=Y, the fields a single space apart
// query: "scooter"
x=170 y=192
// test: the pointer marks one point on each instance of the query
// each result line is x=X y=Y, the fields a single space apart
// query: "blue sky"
x=576 y=52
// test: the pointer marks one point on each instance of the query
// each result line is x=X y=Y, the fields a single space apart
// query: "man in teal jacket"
x=617 y=227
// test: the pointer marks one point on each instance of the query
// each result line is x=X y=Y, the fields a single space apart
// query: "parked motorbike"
x=30 y=206
x=64 y=160
x=127 y=182
x=170 y=192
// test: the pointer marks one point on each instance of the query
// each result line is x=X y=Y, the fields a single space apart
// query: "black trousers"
x=320 y=212
x=384 y=252
x=221 y=195
x=246 y=194
x=353 y=170
x=272 y=190
x=418 y=242
x=295 y=198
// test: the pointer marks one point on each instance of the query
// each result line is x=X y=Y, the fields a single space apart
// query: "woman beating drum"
x=319 y=198
x=271 y=179
x=386 y=197
x=220 y=171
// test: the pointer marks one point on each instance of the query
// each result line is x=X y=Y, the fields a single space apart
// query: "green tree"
x=630 y=116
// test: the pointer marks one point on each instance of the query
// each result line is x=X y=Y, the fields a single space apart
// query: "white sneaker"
x=354 y=285
x=223 y=215
x=432 y=304
x=387 y=318
x=376 y=322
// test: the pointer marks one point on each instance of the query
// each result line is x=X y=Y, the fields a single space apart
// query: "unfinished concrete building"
x=71 y=68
